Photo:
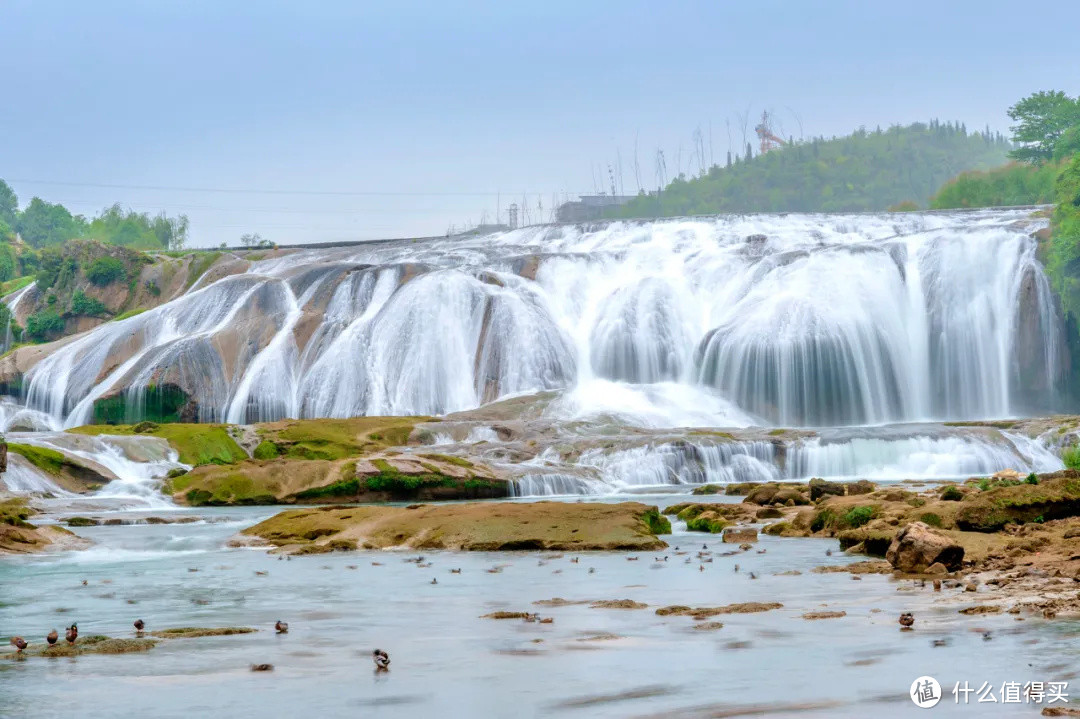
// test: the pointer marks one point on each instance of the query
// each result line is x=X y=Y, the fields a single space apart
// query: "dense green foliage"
x=44 y=325
x=1063 y=255
x=1043 y=120
x=105 y=270
x=83 y=305
x=45 y=224
x=863 y=171
x=1013 y=184
x=139 y=231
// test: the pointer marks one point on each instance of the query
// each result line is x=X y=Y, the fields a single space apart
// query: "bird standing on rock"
x=139 y=625
x=52 y=637
x=381 y=659
x=19 y=643
x=72 y=634
x=907 y=620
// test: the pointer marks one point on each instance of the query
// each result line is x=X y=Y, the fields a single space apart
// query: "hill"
x=864 y=171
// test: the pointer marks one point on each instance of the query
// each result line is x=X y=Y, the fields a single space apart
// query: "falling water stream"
x=791 y=321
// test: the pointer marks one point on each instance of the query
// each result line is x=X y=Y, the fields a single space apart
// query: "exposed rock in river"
x=474 y=527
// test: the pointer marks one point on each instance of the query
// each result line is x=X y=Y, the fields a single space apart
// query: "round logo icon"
x=925 y=692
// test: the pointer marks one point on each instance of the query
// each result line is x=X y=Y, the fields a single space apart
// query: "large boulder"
x=819 y=488
x=917 y=546
x=774 y=494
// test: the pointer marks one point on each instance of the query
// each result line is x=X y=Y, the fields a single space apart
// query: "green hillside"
x=862 y=171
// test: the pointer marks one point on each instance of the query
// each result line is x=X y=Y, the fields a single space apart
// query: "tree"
x=254 y=239
x=1042 y=118
x=42 y=224
x=9 y=205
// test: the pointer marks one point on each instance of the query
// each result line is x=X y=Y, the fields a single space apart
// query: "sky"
x=329 y=121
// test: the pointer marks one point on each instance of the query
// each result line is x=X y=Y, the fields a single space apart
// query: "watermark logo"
x=925 y=692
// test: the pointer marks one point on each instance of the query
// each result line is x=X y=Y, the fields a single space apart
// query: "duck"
x=828 y=552
x=575 y=560
x=907 y=620
x=52 y=637
x=260 y=574
x=704 y=546
x=753 y=576
x=434 y=580
x=592 y=570
x=761 y=551
x=281 y=627
x=701 y=568
x=455 y=571
x=631 y=559
x=139 y=625
x=381 y=659
x=350 y=566
x=19 y=643
x=736 y=567
x=262 y=667
x=72 y=634
x=547 y=620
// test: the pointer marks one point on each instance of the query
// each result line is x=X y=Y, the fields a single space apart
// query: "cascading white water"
x=796 y=320
x=137 y=465
x=734 y=321
x=695 y=461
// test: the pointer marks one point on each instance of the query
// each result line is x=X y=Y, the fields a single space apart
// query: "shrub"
x=41 y=326
x=152 y=288
x=1071 y=457
x=86 y=306
x=858 y=516
x=105 y=270
x=1032 y=479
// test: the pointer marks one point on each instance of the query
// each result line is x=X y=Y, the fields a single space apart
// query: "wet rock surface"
x=474 y=527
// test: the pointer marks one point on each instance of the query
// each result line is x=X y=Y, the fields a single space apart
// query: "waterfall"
x=785 y=320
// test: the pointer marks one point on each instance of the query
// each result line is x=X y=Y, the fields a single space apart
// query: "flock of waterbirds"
x=382 y=660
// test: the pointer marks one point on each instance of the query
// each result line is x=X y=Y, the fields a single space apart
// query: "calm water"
x=449 y=662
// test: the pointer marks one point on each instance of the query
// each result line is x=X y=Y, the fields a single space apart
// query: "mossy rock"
x=196 y=632
x=1056 y=496
x=709 y=522
x=196 y=444
x=875 y=542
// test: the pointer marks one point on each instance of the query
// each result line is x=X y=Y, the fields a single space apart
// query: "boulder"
x=863 y=486
x=917 y=546
x=741 y=535
x=819 y=488
x=776 y=494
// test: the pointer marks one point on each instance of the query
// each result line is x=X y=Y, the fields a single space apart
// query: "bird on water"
x=281 y=627
x=139 y=625
x=381 y=659
x=907 y=620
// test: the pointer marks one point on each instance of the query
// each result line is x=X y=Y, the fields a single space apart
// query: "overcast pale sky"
x=288 y=119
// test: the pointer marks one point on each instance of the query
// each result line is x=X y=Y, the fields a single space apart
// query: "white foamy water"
x=799 y=320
